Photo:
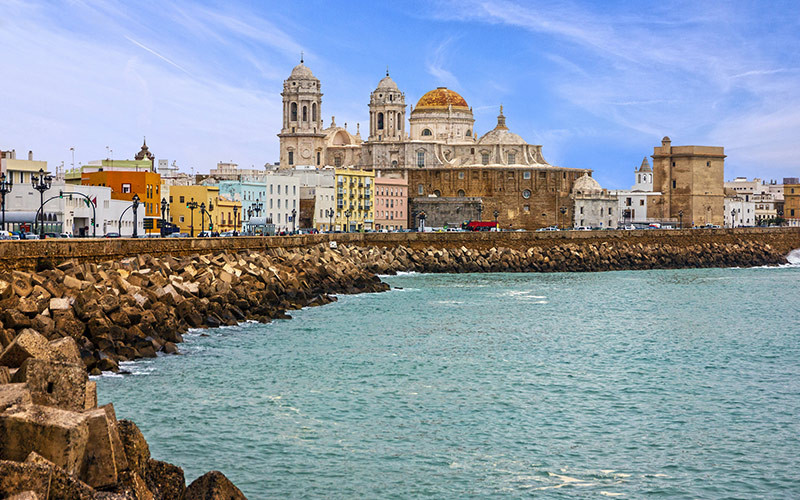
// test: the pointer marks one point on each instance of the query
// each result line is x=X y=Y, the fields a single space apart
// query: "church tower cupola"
x=302 y=139
x=387 y=112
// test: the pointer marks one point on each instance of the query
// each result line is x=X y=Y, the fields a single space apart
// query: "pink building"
x=391 y=203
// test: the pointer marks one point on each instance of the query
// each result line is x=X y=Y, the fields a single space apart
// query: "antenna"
x=301 y=57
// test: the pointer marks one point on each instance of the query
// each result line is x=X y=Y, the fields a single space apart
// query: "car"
x=113 y=235
x=204 y=234
x=65 y=235
x=52 y=235
x=29 y=236
x=549 y=228
x=178 y=235
x=226 y=234
x=583 y=228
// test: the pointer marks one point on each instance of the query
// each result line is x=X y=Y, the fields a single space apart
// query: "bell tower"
x=301 y=137
x=387 y=112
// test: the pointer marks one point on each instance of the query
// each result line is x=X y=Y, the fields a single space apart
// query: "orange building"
x=125 y=183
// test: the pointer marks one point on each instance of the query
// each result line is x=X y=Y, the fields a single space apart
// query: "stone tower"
x=301 y=137
x=387 y=112
x=691 y=182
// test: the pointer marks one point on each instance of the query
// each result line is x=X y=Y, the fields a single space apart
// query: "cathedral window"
x=294 y=112
x=305 y=113
x=469 y=133
x=485 y=158
x=526 y=194
x=526 y=175
x=461 y=175
x=337 y=162
x=421 y=189
x=426 y=132
x=291 y=157
x=314 y=113
x=512 y=158
x=319 y=155
x=461 y=193
x=380 y=121
x=421 y=158
x=437 y=193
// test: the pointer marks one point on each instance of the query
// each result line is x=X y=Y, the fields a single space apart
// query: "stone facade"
x=302 y=140
x=791 y=207
x=690 y=179
x=593 y=206
x=444 y=212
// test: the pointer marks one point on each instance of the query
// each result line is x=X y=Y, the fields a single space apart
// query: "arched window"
x=314 y=112
x=305 y=113
x=294 y=112
x=421 y=189
x=426 y=132
x=469 y=133
x=437 y=193
x=380 y=121
x=461 y=193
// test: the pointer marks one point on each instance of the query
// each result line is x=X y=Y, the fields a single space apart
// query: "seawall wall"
x=26 y=254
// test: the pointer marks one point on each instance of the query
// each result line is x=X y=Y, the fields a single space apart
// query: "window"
x=641 y=202
x=180 y=219
x=314 y=112
x=426 y=132
x=526 y=194
x=380 y=121
x=627 y=202
x=279 y=203
x=512 y=158
x=170 y=198
x=279 y=189
x=609 y=210
x=291 y=157
x=182 y=202
x=461 y=175
x=421 y=158
x=294 y=112
x=581 y=214
x=294 y=189
x=526 y=175
x=673 y=184
x=708 y=164
x=469 y=133
x=420 y=189
x=126 y=188
x=337 y=162
x=485 y=158
x=461 y=193
x=437 y=193
x=318 y=157
x=305 y=113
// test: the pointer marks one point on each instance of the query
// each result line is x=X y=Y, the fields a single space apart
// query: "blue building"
x=252 y=195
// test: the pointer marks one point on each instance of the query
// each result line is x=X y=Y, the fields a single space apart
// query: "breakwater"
x=104 y=312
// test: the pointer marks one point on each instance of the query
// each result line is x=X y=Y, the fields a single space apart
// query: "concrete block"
x=12 y=395
x=104 y=458
x=28 y=344
x=53 y=383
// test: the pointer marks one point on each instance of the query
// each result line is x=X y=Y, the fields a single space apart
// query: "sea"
x=631 y=384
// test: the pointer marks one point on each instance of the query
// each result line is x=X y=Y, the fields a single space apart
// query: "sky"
x=597 y=84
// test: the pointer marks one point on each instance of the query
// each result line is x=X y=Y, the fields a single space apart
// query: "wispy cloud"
x=437 y=61
x=148 y=49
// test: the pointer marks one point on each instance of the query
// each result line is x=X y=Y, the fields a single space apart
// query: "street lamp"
x=202 y=218
x=480 y=210
x=294 y=220
x=680 y=218
x=235 y=219
x=733 y=217
x=163 y=215
x=329 y=213
x=496 y=213
x=5 y=188
x=192 y=206
x=347 y=214
x=422 y=221
x=563 y=211
x=135 y=207
x=41 y=183
x=257 y=206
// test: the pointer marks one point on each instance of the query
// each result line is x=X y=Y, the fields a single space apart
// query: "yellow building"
x=218 y=214
x=354 y=199
x=791 y=196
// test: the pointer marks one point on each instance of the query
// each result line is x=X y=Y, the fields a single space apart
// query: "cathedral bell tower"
x=301 y=137
x=387 y=112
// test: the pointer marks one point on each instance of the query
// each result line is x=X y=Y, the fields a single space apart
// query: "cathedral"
x=436 y=148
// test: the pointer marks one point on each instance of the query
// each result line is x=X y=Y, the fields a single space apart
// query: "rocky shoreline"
x=67 y=320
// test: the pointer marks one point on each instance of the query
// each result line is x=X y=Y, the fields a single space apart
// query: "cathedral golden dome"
x=441 y=98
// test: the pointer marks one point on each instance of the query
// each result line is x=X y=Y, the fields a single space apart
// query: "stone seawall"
x=26 y=254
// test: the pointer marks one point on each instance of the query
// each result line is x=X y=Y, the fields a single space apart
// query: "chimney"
x=30 y=155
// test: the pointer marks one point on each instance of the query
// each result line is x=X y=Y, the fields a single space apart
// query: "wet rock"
x=104 y=458
x=136 y=449
x=213 y=486
x=165 y=481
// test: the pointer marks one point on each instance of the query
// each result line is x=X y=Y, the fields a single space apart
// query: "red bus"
x=478 y=225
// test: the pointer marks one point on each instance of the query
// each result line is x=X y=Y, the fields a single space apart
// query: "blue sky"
x=596 y=83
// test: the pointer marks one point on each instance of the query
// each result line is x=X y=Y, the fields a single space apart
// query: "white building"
x=282 y=199
x=740 y=209
x=632 y=205
x=594 y=206
x=317 y=192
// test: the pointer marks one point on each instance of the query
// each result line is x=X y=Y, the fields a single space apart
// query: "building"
x=282 y=203
x=391 y=203
x=354 y=195
x=217 y=213
x=22 y=202
x=439 y=151
x=250 y=194
x=740 y=209
x=633 y=203
x=125 y=184
x=690 y=180
x=594 y=206
x=435 y=212
x=317 y=197
x=230 y=171
x=791 y=197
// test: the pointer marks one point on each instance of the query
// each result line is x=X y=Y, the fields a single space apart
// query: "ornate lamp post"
x=192 y=206
x=680 y=218
x=257 y=207
x=422 y=221
x=496 y=213
x=135 y=207
x=294 y=220
x=235 y=219
x=329 y=213
x=5 y=188
x=733 y=217
x=202 y=218
x=347 y=214
x=41 y=183
x=163 y=215
x=563 y=211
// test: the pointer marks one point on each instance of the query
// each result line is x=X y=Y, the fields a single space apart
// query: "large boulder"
x=53 y=383
x=105 y=458
x=165 y=481
x=12 y=395
x=213 y=486
x=136 y=449
x=28 y=344
x=65 y=350
x=58 y=435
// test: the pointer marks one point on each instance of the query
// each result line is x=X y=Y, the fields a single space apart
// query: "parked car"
x=66 y=235
x=52 y=235
x=583 y=228
x=226 y=234
x=178 y=235
x=204 y=234
x=113 y=235
x=549 y=228
x=5 y=235
x=29 y=236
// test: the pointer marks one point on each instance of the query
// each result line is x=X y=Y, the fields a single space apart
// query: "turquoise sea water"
x=640 y=384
